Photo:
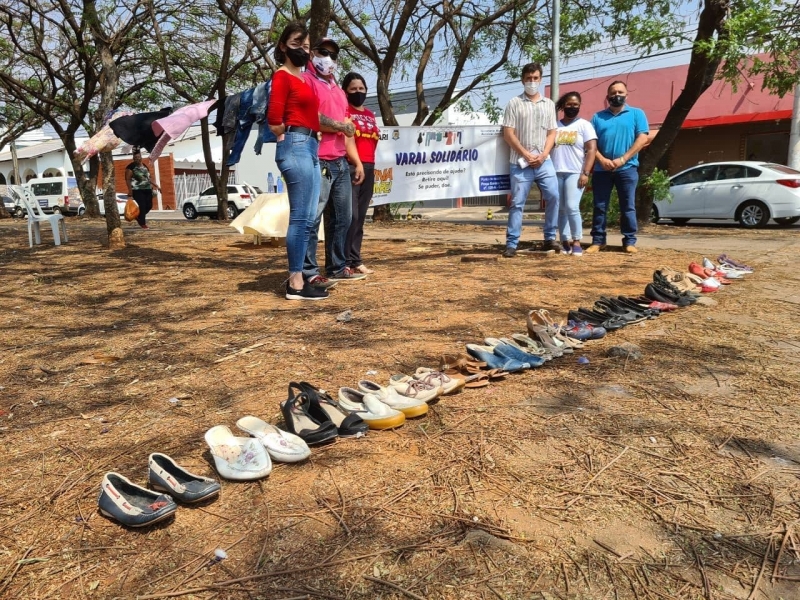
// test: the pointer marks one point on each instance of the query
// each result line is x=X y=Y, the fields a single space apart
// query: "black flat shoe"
x=296 y=413
x=325 y=409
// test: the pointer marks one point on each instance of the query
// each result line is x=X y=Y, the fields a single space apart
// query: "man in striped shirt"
x=529 y=128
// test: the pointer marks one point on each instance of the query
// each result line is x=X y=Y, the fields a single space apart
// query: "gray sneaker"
x=347 y=274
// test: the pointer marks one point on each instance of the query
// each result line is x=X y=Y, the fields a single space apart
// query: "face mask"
x=323 y=64
x=297 y=56
x=616 y=101
x=356 y=98
x=531 y=88
x=571 y=111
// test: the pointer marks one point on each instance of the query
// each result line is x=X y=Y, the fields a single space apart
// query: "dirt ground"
x=673 y=476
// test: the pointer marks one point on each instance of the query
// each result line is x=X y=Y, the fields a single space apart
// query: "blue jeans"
x=296 y=157
x=521 y=182
x=569 y=207
x=625 y=181
x=335 y=202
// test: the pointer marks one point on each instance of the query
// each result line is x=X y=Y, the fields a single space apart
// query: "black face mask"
x=571 y=111
x=297 y=56
x=356 y=98
x=616 y=101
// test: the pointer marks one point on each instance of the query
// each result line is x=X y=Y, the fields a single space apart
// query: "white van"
x=56 y=194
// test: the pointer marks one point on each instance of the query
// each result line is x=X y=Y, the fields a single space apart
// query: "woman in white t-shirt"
x=573 y=158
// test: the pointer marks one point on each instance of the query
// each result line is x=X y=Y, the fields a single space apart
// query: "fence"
x=191 y=184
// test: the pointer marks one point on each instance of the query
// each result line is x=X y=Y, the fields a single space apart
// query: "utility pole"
x=15 y=162
x=556 y=52
x=794 y=136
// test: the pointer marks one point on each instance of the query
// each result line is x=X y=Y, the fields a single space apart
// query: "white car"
x=750 y=192
x=121 y=200
x=240 y=196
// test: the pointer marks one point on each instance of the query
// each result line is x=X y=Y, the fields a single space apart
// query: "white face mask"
x=531 y=88
x=324 y=65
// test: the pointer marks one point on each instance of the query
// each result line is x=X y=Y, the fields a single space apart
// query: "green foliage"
x=657 y=185
x=396 y=207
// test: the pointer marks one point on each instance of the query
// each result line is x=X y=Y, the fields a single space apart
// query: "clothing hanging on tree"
x=175 y=125
x=137 y=130
x=103 y=141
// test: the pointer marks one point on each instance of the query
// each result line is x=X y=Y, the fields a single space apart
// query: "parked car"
x=240 y=196
x=750 y=192
x=9 y=204
x=55 y=194
x=121 y=200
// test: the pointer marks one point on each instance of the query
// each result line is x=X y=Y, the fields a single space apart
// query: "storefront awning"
x=775 y=115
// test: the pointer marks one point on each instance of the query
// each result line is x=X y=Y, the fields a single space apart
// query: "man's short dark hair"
x=617 y=82
x=532 y=68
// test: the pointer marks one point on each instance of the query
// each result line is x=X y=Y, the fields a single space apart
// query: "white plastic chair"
x=36 y=216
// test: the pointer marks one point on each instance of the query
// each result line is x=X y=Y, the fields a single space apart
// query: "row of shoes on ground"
x=316 y=417
x=611 y=314
x=136 y=506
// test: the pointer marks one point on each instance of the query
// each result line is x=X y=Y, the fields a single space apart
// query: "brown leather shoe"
x=593 y=248
x=631 y=249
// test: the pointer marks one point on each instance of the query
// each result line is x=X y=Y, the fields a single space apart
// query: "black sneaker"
x=309 y=292
x=347 y=274
x=552 y=245
x=318 y=281
x=509 y=252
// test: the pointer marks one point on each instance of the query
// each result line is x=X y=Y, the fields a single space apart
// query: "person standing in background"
x=141 y=187
x=292 y=116
x=335 y=198
x=529 y=128
x=621 y=132
x=573 y=157
x=365 y=142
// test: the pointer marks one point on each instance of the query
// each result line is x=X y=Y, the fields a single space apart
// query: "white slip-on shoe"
x=449 y=385
x=712 y=282
x=237 y=458
x=372 y=411
x=282 y=446
x=414 y=388
x=410 y=407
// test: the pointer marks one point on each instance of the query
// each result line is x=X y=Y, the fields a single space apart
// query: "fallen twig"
x=403 y=591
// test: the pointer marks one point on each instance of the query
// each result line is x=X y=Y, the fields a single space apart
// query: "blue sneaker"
x=577 y=331
x=494 y=361
x=513 y=352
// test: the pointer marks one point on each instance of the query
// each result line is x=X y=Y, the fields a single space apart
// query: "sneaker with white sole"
x=414 y=388
x=347 y=274
x=372 y=411
x=410 y=407
x=449 y=385
x=309 y=292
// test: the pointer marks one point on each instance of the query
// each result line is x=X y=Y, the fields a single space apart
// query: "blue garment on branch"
x=244 y=123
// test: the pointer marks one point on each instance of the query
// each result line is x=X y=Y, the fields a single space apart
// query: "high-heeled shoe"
x=539 y=332
x=526 y=342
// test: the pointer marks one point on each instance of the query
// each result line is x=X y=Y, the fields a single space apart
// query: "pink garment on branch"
x=183 y=118
x=159 y=147
x=103 y=141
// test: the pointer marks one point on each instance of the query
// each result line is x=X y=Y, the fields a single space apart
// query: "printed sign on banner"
x=433 y=163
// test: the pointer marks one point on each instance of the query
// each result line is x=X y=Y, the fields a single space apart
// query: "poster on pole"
x=433 y=163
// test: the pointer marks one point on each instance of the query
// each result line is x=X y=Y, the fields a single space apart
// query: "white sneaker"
x=712 y=282
x=413 y=388
x=448 y=384
x=372 y=411
x=410 y=407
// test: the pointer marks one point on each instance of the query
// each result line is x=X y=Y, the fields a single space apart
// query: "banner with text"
x=433 y=163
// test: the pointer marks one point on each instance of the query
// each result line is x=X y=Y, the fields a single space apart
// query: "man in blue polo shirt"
x=621 y=132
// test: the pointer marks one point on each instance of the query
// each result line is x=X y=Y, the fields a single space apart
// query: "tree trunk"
x=699 y=77
x=319 y=18
x=86 y=185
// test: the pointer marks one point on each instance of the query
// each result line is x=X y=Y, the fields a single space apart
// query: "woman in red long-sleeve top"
x=293 y=116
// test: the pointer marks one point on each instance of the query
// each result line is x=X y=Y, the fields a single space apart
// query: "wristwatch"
x=585 y=173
